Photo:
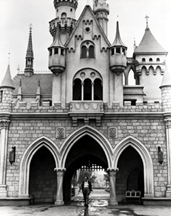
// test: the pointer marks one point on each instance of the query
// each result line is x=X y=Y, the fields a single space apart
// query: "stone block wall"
x=150 y=131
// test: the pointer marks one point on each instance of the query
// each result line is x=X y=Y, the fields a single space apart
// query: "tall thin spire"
x=147 y=17
x=7 y=82
x=29 y=55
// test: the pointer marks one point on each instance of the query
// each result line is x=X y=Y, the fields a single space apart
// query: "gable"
x=87 y=28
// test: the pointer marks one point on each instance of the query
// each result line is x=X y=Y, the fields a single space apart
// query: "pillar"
x=118 y=88
x=168 y=142
x=112 y=175
x=56 y=89
x=4 y=124
x=59 y=193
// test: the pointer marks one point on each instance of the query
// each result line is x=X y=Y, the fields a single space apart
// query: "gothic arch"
x=92 y=132
x=26 y=160
x=146 y=158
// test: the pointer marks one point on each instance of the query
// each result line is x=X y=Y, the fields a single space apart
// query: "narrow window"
x=50 y=52
x=143 y=60
x=77 y=89
x=112 y=51
x=91 y=51
x=87 y=89
x=83 y=52
x=150 y=59
x=62 y=51
x=56 y=51
x=98 y=90
x=118 y=50
x=158 y=59
x=1 y=96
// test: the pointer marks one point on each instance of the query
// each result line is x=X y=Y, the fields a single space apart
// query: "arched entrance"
x=130 y=175
x=85 y=152
x=42 y=179
x=143 y=159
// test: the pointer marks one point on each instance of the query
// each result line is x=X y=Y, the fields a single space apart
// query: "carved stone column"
x=59 y=193
x=112 y=174
x=4 y=124
x=168 y=142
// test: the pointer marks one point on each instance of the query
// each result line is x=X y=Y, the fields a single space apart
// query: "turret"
x=101 y=11
x=57 y=55
x=29 y=56
x=65 y=17
x=150 y=56
x=166 y=91
x=118 y=50
x=6 y=92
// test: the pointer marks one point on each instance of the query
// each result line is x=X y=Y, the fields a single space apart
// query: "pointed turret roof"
x=118 y=40
x=166 y=81
x=149 y=44
x=29 y=53
x=7 y=81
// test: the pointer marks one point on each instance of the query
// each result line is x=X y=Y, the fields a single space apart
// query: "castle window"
x=157 y=59
x=1 y=96
x=77 y=89
x=50 y=52
x=98 y=90
x=87 y=50
x=112 y=51
x=56 y=51
x=118 y=50
x=143 y=59
x=87 y=89
x=91 y=51
x=63 y=15
x=62 y=51
x=150 y=59
x=87 y=86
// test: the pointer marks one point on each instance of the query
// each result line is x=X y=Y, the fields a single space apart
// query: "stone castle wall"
x=148 y=130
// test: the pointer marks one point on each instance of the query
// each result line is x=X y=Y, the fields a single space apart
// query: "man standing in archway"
x=86 y=189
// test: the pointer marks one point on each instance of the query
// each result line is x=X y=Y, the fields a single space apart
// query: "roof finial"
x=134 y=44
x=9 y=58
x=18 y=69
x=147 y=17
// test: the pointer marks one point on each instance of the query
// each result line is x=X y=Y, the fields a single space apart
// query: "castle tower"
x=29 y=56
x=151 y=58
x=166 y=105
x=101 y=10
x=65 y=17
x=6 y=97
x=118 y=62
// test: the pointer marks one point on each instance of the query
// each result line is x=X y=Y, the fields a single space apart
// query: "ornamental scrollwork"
x=4 y=124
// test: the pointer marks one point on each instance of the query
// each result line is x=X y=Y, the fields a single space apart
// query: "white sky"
x=16 y=15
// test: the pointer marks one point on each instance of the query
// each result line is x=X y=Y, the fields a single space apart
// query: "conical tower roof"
x=166 y=81
x=7 y=82
x=149 y=44
x=29 y=53
x=118 y=40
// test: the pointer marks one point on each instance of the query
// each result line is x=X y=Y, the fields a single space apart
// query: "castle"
x=85 y=114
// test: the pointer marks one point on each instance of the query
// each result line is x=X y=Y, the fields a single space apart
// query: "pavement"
x=97 y=207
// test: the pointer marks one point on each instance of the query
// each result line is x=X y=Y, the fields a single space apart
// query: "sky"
x=16 y=16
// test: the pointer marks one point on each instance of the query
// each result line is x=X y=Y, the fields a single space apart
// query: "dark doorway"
x=85 y=152
x=42 y=184
x=130 y=175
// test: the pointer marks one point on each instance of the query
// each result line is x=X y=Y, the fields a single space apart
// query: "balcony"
x=86 y=111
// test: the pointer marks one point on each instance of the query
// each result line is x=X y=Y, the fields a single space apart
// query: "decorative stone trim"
x=112 y=132
x=60 y=133
x=4 y=123
x=168 y=123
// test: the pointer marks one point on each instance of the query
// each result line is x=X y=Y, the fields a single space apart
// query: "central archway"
x=85 y=152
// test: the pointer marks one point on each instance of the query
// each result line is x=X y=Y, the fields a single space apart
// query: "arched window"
x=98 y=90
x=87 y=89
x=150 y=59
x=157 y=59
x=83 y=52
x=91 y=51
x=87 y=49
x=63 y=15
x=77 y=89
x=143 y=59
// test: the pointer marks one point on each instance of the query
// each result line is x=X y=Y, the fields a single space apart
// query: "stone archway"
x=26 y=160
x=146 y=159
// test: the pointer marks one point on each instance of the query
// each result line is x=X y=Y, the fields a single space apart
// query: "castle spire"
x=29 y=56
x=7 y=81
x=147 y=17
